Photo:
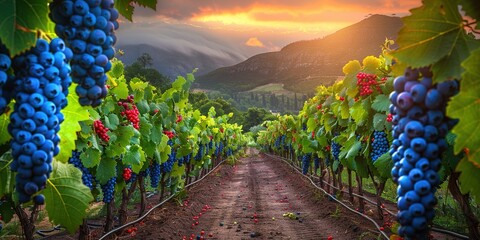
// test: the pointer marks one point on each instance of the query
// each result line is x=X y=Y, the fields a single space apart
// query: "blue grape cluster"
x=380 y=145
x=41 y=80
x=335 y=150
x=108 y=190
x=419 y=130
x=229 y=152
x=277 y=143
x=87 y=177
x=6 y=81
x=187 y=158
x=155 y=174
x=316 y=162
x=168 y=165
x=306 y=159
x=210 y=145
x=88 y=27
x=199 y=154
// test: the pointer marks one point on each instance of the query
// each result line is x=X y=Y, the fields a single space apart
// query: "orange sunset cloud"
x=254 y=42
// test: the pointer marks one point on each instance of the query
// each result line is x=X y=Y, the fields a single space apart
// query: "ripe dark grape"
x=306 y=159
x=88 y=28
x=379 y=145
x=419 y=130
x=154 y=174
x=87 y=177
x=108 y=190
x=39 y=95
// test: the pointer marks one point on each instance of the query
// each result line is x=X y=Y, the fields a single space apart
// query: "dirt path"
x=248 y=201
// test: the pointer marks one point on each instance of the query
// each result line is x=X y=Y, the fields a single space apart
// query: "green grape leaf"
x=177 y=171
x=344 y=111
x=121 y=90
x=134 y=157
x=384 y=165
x=143 y=107
x=465 y=106
x=67 y=199
x=20 y=19
x=178 y=84
x=107 y=168
x=112 y=121
x=359 y=113
x=156 y=133
x=361 y=167
x=91 y=157
x=117 y=69
x=121 y=141
x=469 y=178
x=7 y=177
x=434 y=33
x=74 y=113
x=145 y=128
x=472 y=8
x=125 y=8
x=4 y=120
x=379 y=121
x=381 y=103
x=6 y=211
x=149 y=148
x=354 y=149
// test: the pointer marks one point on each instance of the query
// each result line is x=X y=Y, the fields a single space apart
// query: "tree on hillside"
x=255 y=116
x=141 y=68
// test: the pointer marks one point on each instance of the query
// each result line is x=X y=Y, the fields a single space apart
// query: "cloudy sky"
x=248 y=27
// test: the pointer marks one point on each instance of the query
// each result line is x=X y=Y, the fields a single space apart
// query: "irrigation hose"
x=338 y=201
x=436 y=229
x=156 y=206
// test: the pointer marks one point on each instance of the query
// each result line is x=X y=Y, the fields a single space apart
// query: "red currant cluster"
x=389 y=117
x=101 y=130
x=319 y=106
x=179 y=118
x=169 y=134
x=127 y=173
x=130 y=111
x=366 y=81
x=328 y=148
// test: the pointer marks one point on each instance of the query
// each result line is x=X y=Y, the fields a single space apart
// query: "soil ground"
x=248 y=200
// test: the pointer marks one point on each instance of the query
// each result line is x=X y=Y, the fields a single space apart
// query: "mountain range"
x=303 y=65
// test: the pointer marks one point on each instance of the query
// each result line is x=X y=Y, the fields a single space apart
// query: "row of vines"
x=409 y=115
x=73 y=130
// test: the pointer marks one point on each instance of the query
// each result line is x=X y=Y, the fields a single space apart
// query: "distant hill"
x=302 y=65
x=173 y=63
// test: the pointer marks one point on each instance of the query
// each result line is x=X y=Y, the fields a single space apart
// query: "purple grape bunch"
x=419 y=130
x=88 y=27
